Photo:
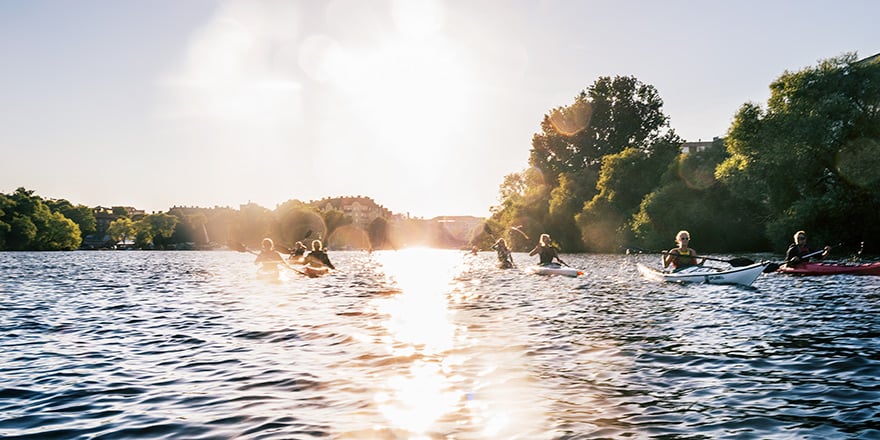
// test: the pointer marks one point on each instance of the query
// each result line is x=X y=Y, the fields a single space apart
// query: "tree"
x=27 y=223
x=614 y=116
x=378 y=233
x=60 y=234
x=690 y=198
x=809 y=161
x=82 y=215
x=158 y=226
x=121 y=229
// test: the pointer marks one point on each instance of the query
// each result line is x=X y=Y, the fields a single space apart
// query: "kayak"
x=745 y=275
x=832 y=269
x=554 y=269
x=314 y=271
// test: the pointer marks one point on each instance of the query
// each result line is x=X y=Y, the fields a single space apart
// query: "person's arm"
x=535 y=251
x=327 y=261
x=556 y=255
x=667 y=258
x=791 y=255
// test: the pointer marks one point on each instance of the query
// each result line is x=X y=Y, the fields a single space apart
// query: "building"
x=699 y=145
x=361 y=210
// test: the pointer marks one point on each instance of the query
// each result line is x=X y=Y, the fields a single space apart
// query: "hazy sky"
x=424 y=106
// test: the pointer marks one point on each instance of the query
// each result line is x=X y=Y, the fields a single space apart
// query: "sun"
x=411 y=81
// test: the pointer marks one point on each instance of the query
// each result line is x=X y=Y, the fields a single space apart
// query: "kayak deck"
x=813 y=269
x=745 y=275
x=554 y=269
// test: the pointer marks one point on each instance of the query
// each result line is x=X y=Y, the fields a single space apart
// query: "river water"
x=426 y=344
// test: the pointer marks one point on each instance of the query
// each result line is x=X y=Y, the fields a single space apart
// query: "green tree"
x=27 y=223
x=160 y=227
x=690 y=198
x=82 y=215
x=525 y=202
x=121 y=229
x=60 y=234
x=625 y=179
x=809 y=161
x=610 y=117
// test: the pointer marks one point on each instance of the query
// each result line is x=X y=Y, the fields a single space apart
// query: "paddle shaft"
x=732 y=261
x=811 y=254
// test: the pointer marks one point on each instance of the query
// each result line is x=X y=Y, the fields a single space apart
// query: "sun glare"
x=405 y=85
x=418 y=325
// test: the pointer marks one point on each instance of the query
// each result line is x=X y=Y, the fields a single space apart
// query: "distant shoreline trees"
x=30 y=223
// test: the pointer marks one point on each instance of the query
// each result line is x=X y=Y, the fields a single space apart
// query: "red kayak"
x=832 y=269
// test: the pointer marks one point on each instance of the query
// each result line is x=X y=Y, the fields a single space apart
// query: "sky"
x=422 y=105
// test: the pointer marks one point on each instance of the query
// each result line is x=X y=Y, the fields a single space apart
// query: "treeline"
x=607 y=172
x=29 y=222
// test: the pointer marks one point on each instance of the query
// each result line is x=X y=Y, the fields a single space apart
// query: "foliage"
x=815 y=148
x=28 y=223
x=121 y=229
x=606 y=150
x=626 y=178
x=80 y=214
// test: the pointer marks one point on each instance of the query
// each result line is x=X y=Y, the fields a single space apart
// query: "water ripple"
x=428 y=345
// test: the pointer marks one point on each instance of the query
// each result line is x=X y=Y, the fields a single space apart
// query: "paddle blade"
x=772 y=267
x=237 y=246
x=738 y=262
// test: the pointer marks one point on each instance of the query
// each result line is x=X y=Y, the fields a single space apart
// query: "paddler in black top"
x=317 y=257
x=682 y=256
x=297 y=255
x=797 y=250
x=505 y=260
x=546 y=252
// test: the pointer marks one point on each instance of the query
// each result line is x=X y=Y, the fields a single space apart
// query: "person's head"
x=316 y=245
x=683 y=237
x=268 y=244
x=545 y=239
x=299 y=245
x=800 y=237
x=500 y=242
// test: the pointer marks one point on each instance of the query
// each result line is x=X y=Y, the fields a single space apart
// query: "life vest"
x=683 y=259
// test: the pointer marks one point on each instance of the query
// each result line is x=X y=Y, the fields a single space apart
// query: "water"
x=426 y=344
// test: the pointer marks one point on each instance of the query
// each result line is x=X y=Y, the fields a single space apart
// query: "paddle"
x=773 y=267
x=289 y=250
x=735 y=262
x=516 y=228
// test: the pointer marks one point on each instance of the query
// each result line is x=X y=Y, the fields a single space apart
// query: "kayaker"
x=318 y=257
x=797 y=250
x=269 y=257
x=505 y=260
x=546 y=252
x=682 y=256
x=298 y=253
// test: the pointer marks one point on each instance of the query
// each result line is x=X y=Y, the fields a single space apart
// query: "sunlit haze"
x=422 y=105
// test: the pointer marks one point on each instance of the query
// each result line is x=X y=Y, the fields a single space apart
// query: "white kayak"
x=745 y=275
x=554 y=269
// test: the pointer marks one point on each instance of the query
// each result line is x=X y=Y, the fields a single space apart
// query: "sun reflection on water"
x=442 y=372
x=418 y=326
